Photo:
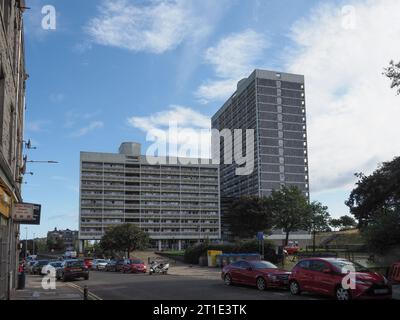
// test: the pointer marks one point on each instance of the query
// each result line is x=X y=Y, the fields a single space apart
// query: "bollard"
x=85 y=293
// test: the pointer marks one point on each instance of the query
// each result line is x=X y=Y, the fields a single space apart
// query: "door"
x=304 y=276
x=322 y=281
x=235 y=271
x=246 y=274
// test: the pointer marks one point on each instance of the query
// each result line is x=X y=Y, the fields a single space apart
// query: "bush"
x=383 y=233
x=193 y=254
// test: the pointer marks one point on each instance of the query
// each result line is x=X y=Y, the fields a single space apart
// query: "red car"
x=292 y=249
x=261 y=274
x=331 y=277
x=134 y=266
x=88 y=262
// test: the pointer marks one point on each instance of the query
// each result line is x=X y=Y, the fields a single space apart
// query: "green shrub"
x=193 y=254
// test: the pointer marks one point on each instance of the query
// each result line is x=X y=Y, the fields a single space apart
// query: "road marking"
x=90 y=294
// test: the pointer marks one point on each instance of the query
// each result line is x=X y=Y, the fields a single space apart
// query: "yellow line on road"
x=90 y=295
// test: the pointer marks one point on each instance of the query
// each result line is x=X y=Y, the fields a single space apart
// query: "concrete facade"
x=273 y=105
x=175 y=203
x=12 y=105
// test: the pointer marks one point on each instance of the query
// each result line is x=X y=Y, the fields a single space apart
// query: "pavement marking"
x=90 y=294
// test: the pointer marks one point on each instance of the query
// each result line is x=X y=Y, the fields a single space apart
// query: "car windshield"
x=343 y=266
x=263 y=265
x=56 y=264
x=42 y=263
x=101 y=261
x=76 y=263
x=137 y=262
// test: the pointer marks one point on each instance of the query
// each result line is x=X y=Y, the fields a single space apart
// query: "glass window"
x=318 y=266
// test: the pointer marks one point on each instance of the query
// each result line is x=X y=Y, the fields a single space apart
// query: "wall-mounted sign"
x=26 y=213
x=5 y=203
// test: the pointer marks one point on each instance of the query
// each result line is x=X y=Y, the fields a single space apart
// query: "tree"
x=343 y=223
x=249 y=215
x=376 y=194
x=347 y=222
x=318 y=219
x=55 y=243
x=124 y=238
x=384 y=232
x=290 y=210
x=393 y=73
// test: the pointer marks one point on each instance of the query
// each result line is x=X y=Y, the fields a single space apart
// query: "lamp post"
x=33 y=244
x=26 y=243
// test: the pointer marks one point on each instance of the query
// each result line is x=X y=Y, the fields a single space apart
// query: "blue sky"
x=113 y=70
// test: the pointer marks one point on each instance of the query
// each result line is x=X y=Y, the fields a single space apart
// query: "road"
x=118 y=286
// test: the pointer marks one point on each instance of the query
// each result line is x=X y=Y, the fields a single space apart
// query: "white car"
x=99 y=264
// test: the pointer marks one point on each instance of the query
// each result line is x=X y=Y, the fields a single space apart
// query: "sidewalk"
x=34 y=291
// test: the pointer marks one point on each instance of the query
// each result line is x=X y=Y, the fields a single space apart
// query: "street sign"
x=26 y=213
x=260 y=236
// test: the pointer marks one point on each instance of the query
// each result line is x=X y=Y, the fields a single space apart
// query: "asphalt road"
x=118 y=286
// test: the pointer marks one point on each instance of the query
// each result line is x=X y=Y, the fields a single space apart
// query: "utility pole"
x=26 y=243
x=33 y=244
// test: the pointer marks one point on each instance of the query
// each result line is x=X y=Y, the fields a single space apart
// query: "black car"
x=114 y=265
x=72 y=269
x=38 y=265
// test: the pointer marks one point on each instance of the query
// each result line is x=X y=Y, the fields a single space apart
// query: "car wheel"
x=228 y=280
x=295 y=288
x=64 y=278
x=342 y=294
x=86 y=277
x=261 y=284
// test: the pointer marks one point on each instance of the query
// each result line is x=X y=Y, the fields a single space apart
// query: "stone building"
x=12 y=105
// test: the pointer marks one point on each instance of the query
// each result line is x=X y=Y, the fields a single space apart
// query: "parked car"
x=261 y=274
x=325 y=276
x=134 y=266
x=292 y=249
x=54 y=264
x=88 y=262
x=72 y=269
x=38 y=265
x=99 y=264
x=29 y=266
x=114 y=265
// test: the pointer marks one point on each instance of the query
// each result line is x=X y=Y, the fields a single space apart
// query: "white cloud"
x=157 y=26
x=37 y=125
x=352 y=112
x=89 y=128
x=232 y=58
x=186 y=127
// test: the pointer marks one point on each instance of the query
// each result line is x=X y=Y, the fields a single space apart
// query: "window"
x=304 y=264
x=318 y=266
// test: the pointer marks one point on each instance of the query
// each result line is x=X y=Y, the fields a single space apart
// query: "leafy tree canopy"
x=249 y=215
x=376 y=194
x=393 y=73
x=124 y=238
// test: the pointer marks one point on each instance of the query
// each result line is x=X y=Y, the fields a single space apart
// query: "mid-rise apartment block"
x=175 y=204
x=273 y=105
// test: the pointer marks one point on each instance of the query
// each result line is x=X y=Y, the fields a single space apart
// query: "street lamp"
x=33 y=244
x=26 y=242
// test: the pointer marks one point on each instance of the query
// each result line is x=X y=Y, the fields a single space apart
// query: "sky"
x=113 y=71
